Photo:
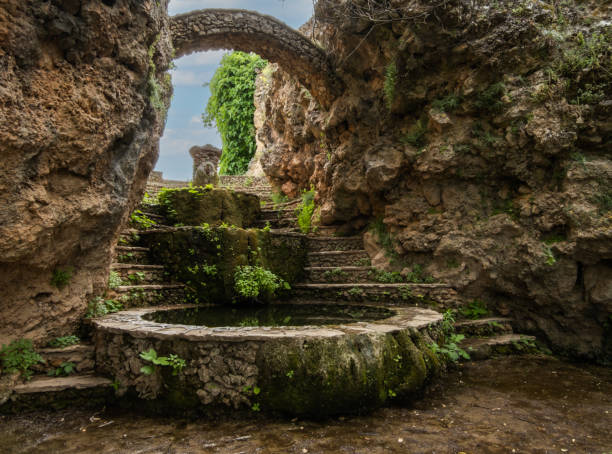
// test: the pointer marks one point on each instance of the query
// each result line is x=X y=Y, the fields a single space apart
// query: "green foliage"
x=416 y=135
x=231 y=108
x=19 y=356
x=64 y=369
x=489 y=100
x=416 y=276
x=172 y=360
x=451 y=349
x=379 y=228
x=99 y=307
x=448 y=322
x=604 y=201
x=139 y=220
x=157 y=91
x=355 y=291
x=279 y=197
x=306 y=210
x=65 y=341
x=447 y=104
x=137 y=277
x=114 y=280
x=61 y=277
x=474 y=310
x=386 y=277
x=335 y=274
x=550 y=257
x=253 y=281
x=390 y=83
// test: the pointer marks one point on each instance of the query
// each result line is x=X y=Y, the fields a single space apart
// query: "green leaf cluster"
x=231 y=108
x=172 y=360
x=306 y=210
x=253 y=281
x=19 y=356
x=64 y=341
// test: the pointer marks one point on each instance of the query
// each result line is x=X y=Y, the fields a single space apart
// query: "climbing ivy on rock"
x=231 y=108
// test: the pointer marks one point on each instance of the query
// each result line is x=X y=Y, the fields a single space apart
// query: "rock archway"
x=248 y=31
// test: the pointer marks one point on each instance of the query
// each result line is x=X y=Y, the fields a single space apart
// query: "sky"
x=184 y=127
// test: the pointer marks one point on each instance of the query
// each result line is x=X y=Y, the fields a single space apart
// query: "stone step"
x=276 y=223
x=318 y=243
x=339 y=258
x=337 y=274
x=82 y=356
x=419 y=294
x=149 y=295
x=131 y=255
x=139 y=274
x=503 y=344
x=484 y=326
x=55 y=393
x=267 y=213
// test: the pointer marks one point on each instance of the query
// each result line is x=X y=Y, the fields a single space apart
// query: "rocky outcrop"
x=83 y=95
x=480 y=135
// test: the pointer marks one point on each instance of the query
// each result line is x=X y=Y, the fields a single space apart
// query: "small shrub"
x=253 y=281
x=489 y=100
x=64 y=369
x=474 y=310
x=61 y=277
x=114 y=280
x=386 y=277
x=550 y=257
x=306 y=210
x=278 y=198
x=416 y=135
x=447 y=104
x=451 y=349
x=19 y=356
x=65 y=341
x=99 y=307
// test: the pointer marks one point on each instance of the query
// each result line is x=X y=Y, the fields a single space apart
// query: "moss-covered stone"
x=205 y=258
x=348 y=374
x=198 y=205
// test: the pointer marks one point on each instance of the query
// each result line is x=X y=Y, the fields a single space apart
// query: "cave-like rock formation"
x=480 y=134
x=83 y=96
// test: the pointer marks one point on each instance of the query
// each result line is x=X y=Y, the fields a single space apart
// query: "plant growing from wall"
x=141 y=221
x=390 y=83
x=19 y=356
x=114 y=280
x=475 y=309
x=174 y=361
x=306 y=210
x=61 y=277
x=64 y=341
x=231 y=108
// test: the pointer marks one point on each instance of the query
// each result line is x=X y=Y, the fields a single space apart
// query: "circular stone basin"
x=271 y=315
x=319 y=362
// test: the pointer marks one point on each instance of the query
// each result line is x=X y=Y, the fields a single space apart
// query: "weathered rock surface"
x=480 y=135
x=82 y=104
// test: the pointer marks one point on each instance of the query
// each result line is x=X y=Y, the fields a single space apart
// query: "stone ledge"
x=55 y=384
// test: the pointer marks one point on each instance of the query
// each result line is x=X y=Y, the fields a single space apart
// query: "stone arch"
x=249 y=31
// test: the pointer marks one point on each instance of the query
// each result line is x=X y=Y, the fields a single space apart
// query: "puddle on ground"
x=531 y=405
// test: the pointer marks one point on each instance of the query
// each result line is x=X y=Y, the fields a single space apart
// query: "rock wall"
x=83 y=95
x=480 y=135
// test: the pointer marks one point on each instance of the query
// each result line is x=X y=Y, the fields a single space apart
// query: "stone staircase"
x=258 y=186
x=491 y=336
x=339 y=270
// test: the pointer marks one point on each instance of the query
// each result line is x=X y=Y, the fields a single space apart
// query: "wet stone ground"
x=507 y=405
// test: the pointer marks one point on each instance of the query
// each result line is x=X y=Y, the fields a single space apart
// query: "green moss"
x=351 y=374
x=190 y=255
x=197 y=205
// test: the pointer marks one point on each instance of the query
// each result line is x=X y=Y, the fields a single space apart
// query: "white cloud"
x=190 y=78
x=195 y=120
x=212 y=57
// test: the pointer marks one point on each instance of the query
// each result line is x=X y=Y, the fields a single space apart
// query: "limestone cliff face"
x=82 y=104
x=481 y=135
